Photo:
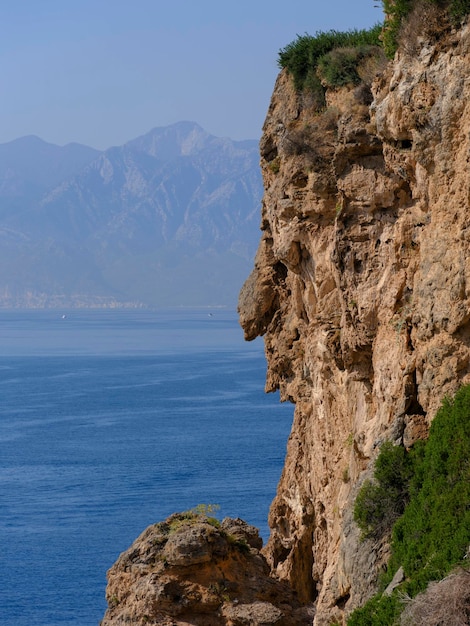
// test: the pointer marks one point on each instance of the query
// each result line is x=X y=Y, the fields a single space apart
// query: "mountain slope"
x=35 y=163
x=169 y=218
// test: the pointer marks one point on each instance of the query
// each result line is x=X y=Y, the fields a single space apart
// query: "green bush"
x=341 y=66
x=378 y=611
x=433 y=534
x=458 y=10
x=398 y=10
x=301 y=56
x=199 y=513
x=380 y=502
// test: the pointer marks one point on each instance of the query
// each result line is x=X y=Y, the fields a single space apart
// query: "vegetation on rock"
x=432 y=535
x=382 y=501
x=398 y=10
x=434 y=532
x=201 y=512
x=345 y=65
x=345 y=231
x=304 y=56
x=332 y=58
x=379 y=611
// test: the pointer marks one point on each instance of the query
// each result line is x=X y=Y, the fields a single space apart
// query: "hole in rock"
x=413 y=406
x=405 y=144
x=357 y=266
x=341 y=602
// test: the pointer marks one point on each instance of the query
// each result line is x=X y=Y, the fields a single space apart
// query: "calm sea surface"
x=111 y=421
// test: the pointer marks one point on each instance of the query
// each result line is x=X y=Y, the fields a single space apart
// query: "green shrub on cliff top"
x=199 y=513
x=301 y=57
x=341 y=66
x=398 y=10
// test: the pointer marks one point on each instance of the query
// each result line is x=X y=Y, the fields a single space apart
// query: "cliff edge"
x=361 y=289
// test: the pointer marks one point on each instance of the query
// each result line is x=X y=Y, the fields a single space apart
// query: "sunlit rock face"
x=191 y=570
x=361 y=290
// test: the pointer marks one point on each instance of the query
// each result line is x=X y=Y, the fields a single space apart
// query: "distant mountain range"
x=168 y=219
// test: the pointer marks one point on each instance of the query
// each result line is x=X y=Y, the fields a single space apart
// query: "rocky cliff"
x=361 y=289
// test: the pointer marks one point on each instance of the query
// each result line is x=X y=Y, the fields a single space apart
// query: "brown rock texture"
x=361 y=288
x=191 y=570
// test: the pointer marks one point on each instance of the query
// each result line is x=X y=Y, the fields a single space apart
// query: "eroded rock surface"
x=191 y=570
x=361 y=288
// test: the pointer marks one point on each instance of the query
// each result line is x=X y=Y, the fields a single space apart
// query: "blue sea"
x=111 y=421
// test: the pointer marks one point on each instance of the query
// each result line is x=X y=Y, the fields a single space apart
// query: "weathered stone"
x=191 y=570
x=259 y=613
x=396 y=580
x=239 y=530
x=191 y=545
x=365 y=263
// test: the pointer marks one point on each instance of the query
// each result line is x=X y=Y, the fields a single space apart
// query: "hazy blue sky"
x=102 y=72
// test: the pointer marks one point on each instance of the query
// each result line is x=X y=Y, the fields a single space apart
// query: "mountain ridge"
x=146 y=205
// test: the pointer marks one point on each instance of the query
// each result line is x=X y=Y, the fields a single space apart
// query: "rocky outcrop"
x=361 y=288
x=191 y=569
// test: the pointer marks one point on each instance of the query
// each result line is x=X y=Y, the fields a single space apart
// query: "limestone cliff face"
x=361 y=288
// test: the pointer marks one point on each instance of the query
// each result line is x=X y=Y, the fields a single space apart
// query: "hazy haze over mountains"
x=169 y=218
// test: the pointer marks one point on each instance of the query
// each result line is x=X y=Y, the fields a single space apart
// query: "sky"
x=102 y=72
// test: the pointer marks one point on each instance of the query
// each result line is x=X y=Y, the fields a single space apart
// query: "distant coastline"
x=32 y=300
